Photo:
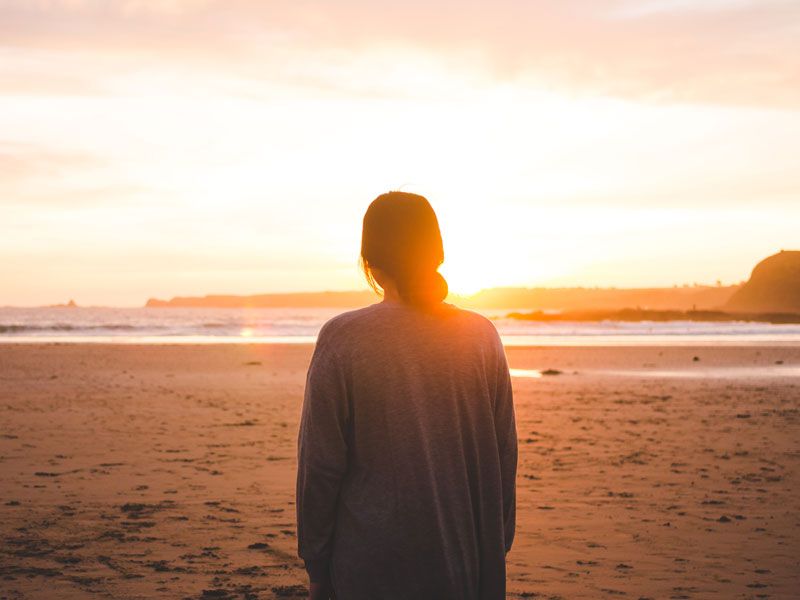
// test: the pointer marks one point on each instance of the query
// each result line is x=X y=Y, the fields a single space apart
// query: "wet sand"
x=168 y=472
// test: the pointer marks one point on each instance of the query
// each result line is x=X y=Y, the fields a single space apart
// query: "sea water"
x=301 y=325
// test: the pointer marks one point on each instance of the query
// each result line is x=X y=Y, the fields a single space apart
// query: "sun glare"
x=480 y=254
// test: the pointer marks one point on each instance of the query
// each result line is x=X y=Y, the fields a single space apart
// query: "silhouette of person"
x=407 y=451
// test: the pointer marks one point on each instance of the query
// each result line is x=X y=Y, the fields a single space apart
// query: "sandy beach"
x=168 y=471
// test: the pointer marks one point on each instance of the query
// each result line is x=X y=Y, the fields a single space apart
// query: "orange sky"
x=160 y=148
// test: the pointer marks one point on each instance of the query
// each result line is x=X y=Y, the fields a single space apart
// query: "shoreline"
x=510 y=340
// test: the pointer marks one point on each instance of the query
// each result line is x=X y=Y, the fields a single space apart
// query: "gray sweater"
x=407 y=456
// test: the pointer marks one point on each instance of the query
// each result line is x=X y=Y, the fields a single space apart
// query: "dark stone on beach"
x=258 y=546
x=216 y=594
x=32 y=572
x=68 y=560
x=290 y=591
x=137 y=510
x=252 y=571
x=724 y=519
x=696 y=359
x=162 y=566
x=551 y=372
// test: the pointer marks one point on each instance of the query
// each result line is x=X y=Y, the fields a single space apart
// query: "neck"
x=390 y=294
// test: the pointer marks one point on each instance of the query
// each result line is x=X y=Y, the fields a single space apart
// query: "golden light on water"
x=246 y=332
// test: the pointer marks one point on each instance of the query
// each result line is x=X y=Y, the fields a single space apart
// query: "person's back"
x=407 y=455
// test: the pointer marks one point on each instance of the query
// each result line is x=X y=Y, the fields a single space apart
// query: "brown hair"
x=401 y=237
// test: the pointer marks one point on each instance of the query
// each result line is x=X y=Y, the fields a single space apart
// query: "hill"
x=773 y=287
x=699 y=297
x=638 y=315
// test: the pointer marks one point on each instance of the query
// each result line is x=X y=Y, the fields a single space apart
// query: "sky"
x=167 y=147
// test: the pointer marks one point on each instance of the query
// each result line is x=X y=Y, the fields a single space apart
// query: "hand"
x=320 y=591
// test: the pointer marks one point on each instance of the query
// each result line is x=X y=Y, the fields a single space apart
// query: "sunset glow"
x=376 y=299
x=239 y=157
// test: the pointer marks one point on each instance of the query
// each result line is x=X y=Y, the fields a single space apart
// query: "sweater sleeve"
x=322 y=459
x=506 y=430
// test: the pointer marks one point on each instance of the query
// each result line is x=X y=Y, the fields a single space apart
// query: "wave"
x=17 y=324
x=14 y=328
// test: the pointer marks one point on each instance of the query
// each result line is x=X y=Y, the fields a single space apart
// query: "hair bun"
x=428 y=288
x=439 y=287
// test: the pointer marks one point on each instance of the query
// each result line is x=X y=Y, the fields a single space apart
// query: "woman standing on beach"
x=407 y=451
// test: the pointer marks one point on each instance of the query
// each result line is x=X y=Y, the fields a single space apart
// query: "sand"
x=168 y=472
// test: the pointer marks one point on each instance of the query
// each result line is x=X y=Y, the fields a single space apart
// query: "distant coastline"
x=700 y=297
x=347 y=299
x=771 y=295
x=634 y=315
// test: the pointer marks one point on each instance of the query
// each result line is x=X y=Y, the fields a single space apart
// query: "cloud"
x=35 y=176
x=739 y=52
x=18 y=161
x=639 y=8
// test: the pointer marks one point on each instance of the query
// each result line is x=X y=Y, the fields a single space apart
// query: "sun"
x=463 y=281
x=476 y=254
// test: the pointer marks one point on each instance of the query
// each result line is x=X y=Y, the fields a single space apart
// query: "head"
x=401 y=246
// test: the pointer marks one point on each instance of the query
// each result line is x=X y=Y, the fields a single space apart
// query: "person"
x=407 y=449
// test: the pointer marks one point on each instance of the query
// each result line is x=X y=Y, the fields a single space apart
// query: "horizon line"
x=67 y=304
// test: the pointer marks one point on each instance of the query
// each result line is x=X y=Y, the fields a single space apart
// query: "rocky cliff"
x=773 y=287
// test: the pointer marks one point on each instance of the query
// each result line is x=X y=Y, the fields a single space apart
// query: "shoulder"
x=350 y=328
x=339 y=328
x=475 y=322
x=481 y=331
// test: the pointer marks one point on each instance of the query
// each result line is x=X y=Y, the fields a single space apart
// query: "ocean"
x=300 y=325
